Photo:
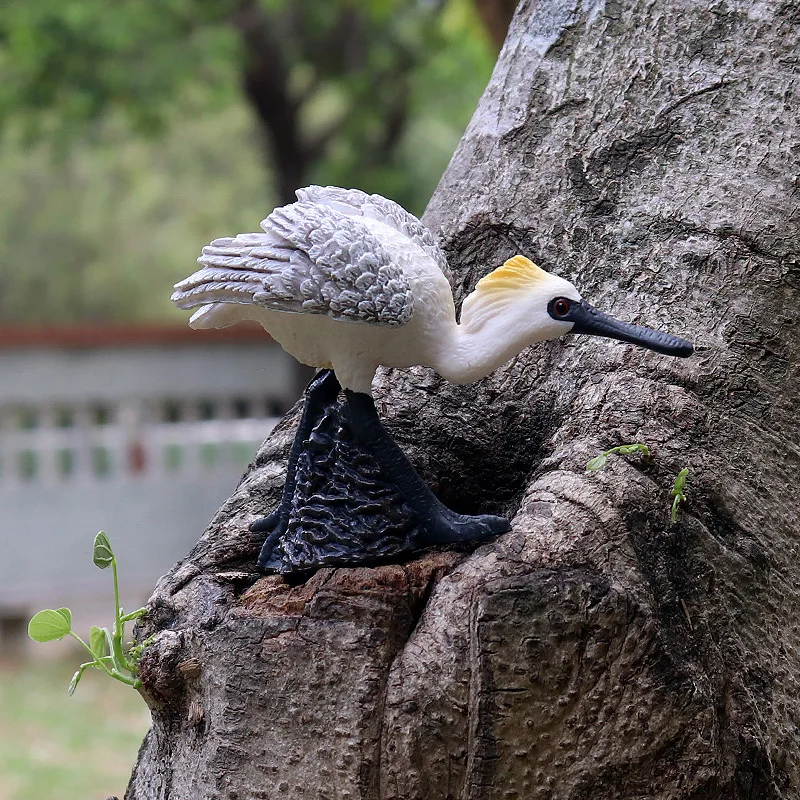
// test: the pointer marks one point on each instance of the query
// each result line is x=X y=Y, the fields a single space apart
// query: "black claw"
x=275 y=525
x=264 y=562
x=462 y=528
x=497 y=525
x=264 y=524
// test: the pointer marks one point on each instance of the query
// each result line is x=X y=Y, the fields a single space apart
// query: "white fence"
x=129 y=441
x=145 y=442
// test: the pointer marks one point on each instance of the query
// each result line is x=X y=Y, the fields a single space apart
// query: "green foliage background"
x=126 y=143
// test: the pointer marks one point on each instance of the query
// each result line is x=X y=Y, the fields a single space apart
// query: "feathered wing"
x=311 y=259
x=354 y=202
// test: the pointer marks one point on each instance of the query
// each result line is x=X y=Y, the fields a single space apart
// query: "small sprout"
x=105 y=646
x=77 y=676
x=73 y=684
x=103 y=555
x=135 y=653
x=598 y=462
x=677 y=493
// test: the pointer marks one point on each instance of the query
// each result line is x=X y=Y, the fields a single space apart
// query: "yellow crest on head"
x=517 y=273
x=499 y=288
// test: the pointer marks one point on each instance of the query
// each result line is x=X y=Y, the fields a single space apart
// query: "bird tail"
x=216 y=285
x=233 y=270
x=222 y=315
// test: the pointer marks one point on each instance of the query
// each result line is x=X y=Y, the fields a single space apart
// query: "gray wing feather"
x=355 y=202
x=311 y=258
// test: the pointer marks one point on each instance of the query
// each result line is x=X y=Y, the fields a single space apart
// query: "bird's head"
x=546 y=306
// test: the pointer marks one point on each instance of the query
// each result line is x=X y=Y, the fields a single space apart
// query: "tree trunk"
x=265 y=82
x=650 y=153
x=496 y=16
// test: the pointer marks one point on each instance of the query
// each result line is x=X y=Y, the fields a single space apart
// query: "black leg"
x=439 y=523
x=320 y=393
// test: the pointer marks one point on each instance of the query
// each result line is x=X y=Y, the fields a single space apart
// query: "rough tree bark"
x=650 y=153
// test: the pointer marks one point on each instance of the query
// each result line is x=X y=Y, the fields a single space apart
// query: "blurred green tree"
x=373 y=93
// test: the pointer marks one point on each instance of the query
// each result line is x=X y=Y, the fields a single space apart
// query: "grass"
x=73 y=748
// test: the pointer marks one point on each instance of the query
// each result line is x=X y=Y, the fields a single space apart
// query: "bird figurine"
x=347 y=282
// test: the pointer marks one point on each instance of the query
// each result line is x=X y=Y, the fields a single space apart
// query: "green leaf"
x=678 y=493
x=630 y=449
x=680 y=482
x=598 y=462
x=97 y=641
x=75 y=679
x=79 y=674
x=50 y=625
x=103 y=554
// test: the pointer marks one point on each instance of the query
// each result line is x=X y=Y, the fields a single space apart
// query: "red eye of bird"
x=561 y=307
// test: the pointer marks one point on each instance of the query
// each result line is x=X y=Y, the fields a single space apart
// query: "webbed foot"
x=439 y=524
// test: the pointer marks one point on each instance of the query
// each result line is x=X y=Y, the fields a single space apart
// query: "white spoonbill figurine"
x=347 y=281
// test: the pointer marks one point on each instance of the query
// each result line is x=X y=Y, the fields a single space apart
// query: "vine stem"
x=116 y=639
x=96 y=661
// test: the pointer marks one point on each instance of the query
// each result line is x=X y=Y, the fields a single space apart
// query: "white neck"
x=506 y=312
x=470 y=352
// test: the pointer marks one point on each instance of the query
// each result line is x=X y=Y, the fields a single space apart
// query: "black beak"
x=589 y=320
